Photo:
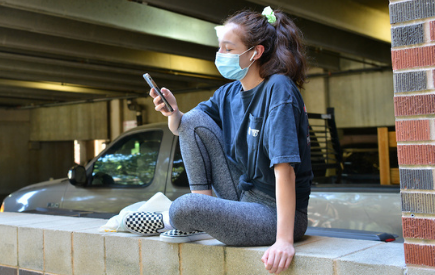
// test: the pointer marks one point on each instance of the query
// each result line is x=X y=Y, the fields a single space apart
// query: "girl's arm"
x=279 y=256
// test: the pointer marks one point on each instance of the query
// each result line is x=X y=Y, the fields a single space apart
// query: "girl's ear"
x=252 y=57
x=258 y=52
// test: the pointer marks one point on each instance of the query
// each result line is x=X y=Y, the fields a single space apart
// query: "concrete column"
x=413 y=59
x=116 y=118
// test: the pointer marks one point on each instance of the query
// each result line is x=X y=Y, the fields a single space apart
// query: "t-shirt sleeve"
x=281 y=141
x=281 y=128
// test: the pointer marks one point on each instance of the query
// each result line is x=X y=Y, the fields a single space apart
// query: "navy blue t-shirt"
x=263 y=127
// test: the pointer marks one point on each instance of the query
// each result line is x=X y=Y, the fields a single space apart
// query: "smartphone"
x=152 y=84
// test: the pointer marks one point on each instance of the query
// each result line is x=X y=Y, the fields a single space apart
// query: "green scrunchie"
x=268 y=13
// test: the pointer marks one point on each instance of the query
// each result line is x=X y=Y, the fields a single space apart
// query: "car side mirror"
x=77 y=175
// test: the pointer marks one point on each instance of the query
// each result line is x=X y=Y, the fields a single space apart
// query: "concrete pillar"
x=116 y=118
x=413 y=59
x=84 y=151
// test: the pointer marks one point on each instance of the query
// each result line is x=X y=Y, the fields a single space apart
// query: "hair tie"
x=268 y=13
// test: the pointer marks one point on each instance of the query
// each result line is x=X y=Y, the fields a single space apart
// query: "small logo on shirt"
x=253 y=132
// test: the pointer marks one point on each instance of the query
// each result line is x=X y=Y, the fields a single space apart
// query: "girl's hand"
x=160 y=105
x=278 y=257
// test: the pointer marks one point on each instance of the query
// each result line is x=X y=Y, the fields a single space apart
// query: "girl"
x=249 y=142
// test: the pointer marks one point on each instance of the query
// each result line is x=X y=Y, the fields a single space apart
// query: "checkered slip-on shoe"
x=177 y=236
x=146 y=223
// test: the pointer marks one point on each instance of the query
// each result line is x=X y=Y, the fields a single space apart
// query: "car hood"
x=45 y=184
x=45 y=194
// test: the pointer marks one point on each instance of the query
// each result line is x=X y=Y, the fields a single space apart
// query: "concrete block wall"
x=413 y=60
x=32 y=244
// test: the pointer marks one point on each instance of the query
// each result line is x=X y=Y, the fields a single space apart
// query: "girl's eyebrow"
x=227 y=42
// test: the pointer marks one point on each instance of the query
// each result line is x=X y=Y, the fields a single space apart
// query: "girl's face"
x=230 y=42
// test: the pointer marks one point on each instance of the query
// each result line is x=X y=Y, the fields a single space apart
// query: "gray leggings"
x=246 y=218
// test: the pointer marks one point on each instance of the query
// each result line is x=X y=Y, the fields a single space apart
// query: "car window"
x=130 y=162
x=179 y=176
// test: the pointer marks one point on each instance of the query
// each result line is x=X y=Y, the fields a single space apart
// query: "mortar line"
x=72 y=252
x=180 y=270
x=104 y=248
x=43 y=251
x=225 y=261
x=18 y=248
x=140 y=257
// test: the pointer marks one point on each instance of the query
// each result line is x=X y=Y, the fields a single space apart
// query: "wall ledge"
x=43 y=244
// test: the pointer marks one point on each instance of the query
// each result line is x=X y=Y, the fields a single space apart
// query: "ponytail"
x=284 y=52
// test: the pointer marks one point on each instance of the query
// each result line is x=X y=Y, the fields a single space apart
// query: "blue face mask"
x=229 y=67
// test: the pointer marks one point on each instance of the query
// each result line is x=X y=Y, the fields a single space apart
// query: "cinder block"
x=58 y=243
x=57 y=250
x=122 y=254
x=407 y=35
x=382 y=258
x=248 y=260
x=418 y=202
x=417 y=179
x=30 y=272
x=245 y=261
x=9 y=245
x=30 y=248
x=419 y=270
x=320 y=255
x=6 y=270
x=201 y=259
x=25 y=219
x=420 y=254
x=159 y=257
x=88 y=252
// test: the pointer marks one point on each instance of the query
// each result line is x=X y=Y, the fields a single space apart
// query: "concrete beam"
x=116 y=25
x=75 y=49
x=318 y=34
x=58 y=87
x=341 y=14
x=125 y=15
x=84 y=31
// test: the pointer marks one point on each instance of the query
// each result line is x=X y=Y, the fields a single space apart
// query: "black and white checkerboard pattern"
x=144 y=222
x=178 y=233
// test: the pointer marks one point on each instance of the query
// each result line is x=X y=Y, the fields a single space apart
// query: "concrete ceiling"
x=61 y=51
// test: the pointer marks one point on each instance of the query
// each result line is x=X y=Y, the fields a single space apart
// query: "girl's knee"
x=180 y=209
x=190 y=119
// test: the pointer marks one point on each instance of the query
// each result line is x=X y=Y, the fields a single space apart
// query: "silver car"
x=147 y=159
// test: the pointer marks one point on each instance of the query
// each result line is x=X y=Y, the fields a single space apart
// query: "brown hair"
x=284 y=52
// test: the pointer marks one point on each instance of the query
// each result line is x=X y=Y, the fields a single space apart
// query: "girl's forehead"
x=228 y=33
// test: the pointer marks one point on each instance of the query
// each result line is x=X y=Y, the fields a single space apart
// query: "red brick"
x=413 y=130
x=416 y=154
x=418 y=228
x=413 y=57
x=419 y=254
x=414 y=105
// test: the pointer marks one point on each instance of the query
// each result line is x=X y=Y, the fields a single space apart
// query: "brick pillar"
x=413 y=59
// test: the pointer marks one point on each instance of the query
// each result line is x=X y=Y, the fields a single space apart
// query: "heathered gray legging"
x=246 y=218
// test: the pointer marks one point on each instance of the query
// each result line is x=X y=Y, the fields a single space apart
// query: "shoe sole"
x=185 y=239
